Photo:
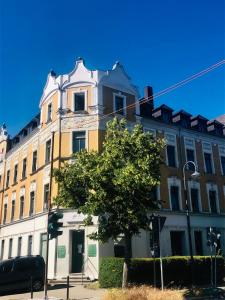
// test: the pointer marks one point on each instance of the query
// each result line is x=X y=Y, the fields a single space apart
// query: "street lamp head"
x=195 y=175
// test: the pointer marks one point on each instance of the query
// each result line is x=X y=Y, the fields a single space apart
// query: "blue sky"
x=159 y=43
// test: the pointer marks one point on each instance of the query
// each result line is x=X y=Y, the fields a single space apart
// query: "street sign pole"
x=49 y=208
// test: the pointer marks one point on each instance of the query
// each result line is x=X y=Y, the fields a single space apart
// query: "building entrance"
x=77 y=251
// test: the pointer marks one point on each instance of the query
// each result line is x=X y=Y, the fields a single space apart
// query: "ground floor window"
x=2 y=249
x=198 y=243
x=177 y=242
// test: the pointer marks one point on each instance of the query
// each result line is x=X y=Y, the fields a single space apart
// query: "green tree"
x=117 y=185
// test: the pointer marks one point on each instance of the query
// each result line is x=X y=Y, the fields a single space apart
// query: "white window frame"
x=119 y=94
x=207 y=148
x=174 y=181
x=192 y=184
x=150 y=130
x=85 y=92
x=171 y=139
x=213 y=187
x=189 y=144
x=86 y=139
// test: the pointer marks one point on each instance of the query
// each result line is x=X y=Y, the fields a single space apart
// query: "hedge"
x=176 y=270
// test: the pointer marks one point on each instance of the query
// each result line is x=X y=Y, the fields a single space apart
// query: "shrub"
x=176 y=270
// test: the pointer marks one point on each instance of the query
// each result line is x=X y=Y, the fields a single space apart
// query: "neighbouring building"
x=72 y=106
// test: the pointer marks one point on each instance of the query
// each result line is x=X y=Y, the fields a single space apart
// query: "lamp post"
x=195 y=175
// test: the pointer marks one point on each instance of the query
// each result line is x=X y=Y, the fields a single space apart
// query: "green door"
x=77 y=250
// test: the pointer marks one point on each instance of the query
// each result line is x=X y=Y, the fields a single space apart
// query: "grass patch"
x=143 y=293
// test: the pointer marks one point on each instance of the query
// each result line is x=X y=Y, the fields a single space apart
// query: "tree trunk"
x=127 y=257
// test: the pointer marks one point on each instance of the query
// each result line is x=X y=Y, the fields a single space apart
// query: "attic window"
x=119 y=104
x=25 y=132
x=34 y=125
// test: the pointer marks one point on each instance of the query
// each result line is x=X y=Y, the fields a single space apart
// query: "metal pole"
x=31 y=287
x=215 y=267
x=67 y=288
x=49 y=208
x=160 y=256
x=154 y=271
x=211 y=266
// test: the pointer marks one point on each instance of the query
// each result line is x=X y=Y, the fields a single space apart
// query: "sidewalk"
x=76 y=293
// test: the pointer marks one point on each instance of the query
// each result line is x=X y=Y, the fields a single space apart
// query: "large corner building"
x=72 y=106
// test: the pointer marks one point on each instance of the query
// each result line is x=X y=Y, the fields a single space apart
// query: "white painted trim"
x=192 y=184
x=171 y=139
x=119 y=94
x=207 y=148
x=85 y=91
x=86 y=139
x=213 y=187
x=151 y=130
x=174 y=181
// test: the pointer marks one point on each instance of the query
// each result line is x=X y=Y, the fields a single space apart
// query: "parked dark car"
x=16 y=273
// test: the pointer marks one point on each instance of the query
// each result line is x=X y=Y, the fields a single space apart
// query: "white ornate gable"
x=118 y=78
x=80 y=75
x=51 y=85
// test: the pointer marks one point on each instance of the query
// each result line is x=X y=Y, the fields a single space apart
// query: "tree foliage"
x=117 y=185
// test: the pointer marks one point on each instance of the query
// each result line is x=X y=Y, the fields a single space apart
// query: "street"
x=76 y=293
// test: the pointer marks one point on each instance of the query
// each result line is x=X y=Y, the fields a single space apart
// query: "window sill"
x=33 y=172
x=24 y=178
x=80 y=112
x=15 y=183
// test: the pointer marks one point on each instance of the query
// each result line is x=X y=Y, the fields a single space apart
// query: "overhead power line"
x=162 y=92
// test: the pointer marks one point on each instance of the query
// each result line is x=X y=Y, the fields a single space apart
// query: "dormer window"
x=79 y=101
x=49 y=116
x=119 y=104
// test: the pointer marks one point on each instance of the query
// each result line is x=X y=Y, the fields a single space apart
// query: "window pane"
x=208 y=163
x=212 y=200
x=48 y=151
x=34 y=162
x=194 y=200
x=177 y=242
x=198 y=243
x=190 y=157
x=171 y=156
x=174 y=194
x=79 y=101
x=119 y=105
x=31 y=212
x=78 y=141
x=223 y=164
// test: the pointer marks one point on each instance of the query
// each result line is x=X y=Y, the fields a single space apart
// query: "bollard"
x=31 y=287
x=67 y=288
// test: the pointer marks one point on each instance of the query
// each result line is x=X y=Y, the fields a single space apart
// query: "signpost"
x=156 y=225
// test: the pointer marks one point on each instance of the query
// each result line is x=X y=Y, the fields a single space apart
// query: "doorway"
x=77 y=251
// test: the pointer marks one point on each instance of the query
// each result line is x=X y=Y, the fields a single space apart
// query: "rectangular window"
x=46 y=195
x=48 y=151
x=7 y=178
x=171 y=155
x=212 y=201
x=24 y=171
x=78 y=141
x=10 y=248
x=174 y=195
x=31 y=212
x=30 y=244
x=2 y=249
x=119 y=105
x=222 y=159
x=49 y=116
x=34 y=161
x=198 y=243
x=208 y=163
x=177 y=242
x=195 y=200
x=13 y=210
x=19 y=247
x=190 y=157
x=21 y=206
x=15 y=173
x=5 y=213
x=79 y=101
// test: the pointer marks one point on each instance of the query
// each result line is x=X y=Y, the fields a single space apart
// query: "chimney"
x=147 y=103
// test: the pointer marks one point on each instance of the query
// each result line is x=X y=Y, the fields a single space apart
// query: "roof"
x=221 y=119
